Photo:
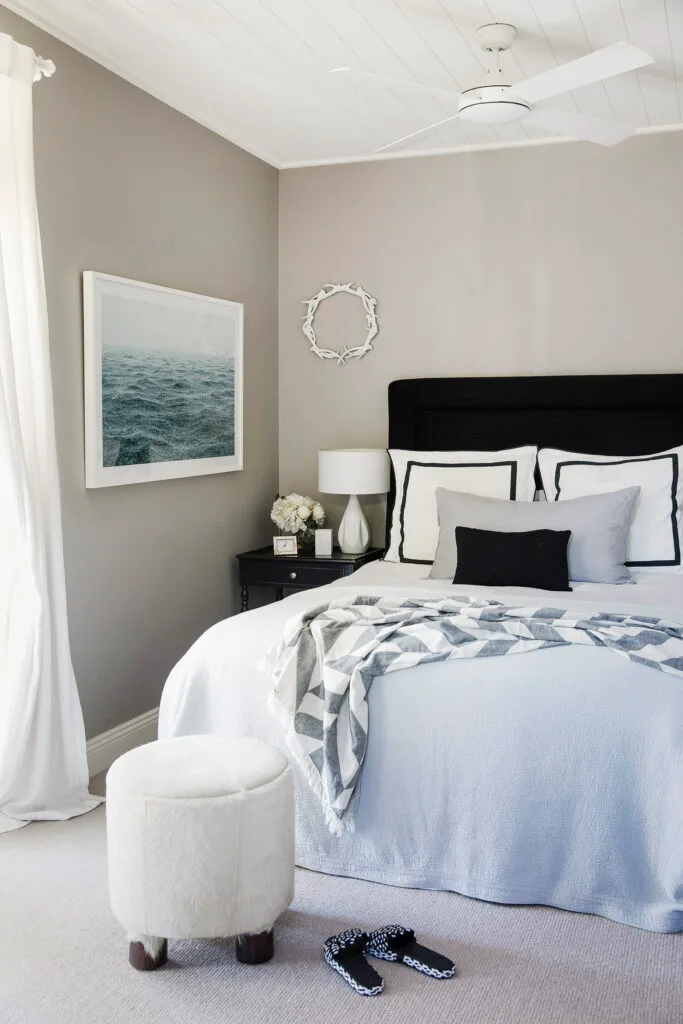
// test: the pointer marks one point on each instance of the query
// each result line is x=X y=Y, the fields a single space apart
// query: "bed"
x=548 y=778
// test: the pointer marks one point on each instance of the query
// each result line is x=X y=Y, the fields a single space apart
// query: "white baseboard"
x=104 y=749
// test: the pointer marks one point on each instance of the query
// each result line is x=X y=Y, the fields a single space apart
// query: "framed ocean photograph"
x=163 y=382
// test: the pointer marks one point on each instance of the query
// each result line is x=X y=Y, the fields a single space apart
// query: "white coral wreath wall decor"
x=370 y=306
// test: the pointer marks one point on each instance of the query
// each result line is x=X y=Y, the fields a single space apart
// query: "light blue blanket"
x=329 y=656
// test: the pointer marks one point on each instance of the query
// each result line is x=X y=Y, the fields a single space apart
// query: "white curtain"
x=43 y=769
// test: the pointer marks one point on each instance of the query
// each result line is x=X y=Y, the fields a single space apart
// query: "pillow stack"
x=608 y=514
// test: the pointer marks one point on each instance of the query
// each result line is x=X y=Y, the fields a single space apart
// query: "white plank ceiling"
x=255 y=71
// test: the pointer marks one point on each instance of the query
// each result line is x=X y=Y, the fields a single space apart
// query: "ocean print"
x=168 y=382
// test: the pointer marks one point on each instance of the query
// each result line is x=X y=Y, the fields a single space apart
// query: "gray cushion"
x=599 y=524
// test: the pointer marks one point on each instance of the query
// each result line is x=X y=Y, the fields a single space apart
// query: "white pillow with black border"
x=655 y=534
x=414 y=526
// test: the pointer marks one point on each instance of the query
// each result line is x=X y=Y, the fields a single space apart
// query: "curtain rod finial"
x=42 y=68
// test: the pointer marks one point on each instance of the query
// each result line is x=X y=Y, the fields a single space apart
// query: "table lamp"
x=353 y=471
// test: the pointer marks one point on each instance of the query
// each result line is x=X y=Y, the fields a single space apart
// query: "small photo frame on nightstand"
x=323 y=543
x=284 y=545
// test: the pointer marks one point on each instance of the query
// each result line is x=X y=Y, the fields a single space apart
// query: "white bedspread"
x=554 y=777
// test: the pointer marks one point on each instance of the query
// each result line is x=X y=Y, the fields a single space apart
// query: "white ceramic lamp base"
x=354 y=533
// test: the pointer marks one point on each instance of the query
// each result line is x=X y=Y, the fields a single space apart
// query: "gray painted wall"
x=556 y=259
x=128 y=186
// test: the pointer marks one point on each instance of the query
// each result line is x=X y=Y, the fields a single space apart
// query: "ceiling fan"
x=495 y=102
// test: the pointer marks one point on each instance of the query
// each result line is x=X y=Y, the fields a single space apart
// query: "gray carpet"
x=63 y=957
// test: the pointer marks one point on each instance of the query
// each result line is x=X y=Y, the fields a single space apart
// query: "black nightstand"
x=296 y=572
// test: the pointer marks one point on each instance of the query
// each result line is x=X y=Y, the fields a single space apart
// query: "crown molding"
x=455 y=150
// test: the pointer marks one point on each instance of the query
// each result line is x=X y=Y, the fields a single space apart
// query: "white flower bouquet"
x=296 y=514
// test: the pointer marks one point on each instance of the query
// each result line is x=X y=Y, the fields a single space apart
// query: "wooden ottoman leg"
x=149 y=954
x=255 y=949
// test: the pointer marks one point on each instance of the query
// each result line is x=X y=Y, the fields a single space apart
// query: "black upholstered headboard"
x=617 y=415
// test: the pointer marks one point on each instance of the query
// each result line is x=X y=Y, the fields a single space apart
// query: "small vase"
x=305 y=541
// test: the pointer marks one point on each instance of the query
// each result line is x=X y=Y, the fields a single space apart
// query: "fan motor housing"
x=492 y=104
x=496 y=37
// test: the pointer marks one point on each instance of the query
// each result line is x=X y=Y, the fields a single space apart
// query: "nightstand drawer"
x=290 y=574
x=262 y=568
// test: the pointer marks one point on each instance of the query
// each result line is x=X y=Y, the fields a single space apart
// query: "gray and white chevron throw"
x=329 y=655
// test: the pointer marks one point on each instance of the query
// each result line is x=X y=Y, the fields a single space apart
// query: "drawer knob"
x=292 y=575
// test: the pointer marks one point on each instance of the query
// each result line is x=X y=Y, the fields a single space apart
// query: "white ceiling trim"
x=455 y=150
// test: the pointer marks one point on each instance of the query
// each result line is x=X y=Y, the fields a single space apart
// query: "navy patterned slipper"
x=344 y=953
x=395 y=943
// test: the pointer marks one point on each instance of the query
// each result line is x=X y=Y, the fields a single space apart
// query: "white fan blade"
x=606 y=63
x=580 y=126
x=398 y=143
x=400 y=84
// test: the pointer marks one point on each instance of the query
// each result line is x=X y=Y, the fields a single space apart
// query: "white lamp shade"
x=353 y=471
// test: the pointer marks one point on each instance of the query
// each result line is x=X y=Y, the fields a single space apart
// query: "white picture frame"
x=323 y=543
x=284 y=545
x=163 y=382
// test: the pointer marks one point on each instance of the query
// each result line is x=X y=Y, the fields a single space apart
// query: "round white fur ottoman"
x=200 y=836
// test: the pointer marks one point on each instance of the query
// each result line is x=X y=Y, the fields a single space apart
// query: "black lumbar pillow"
x=491 y=558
